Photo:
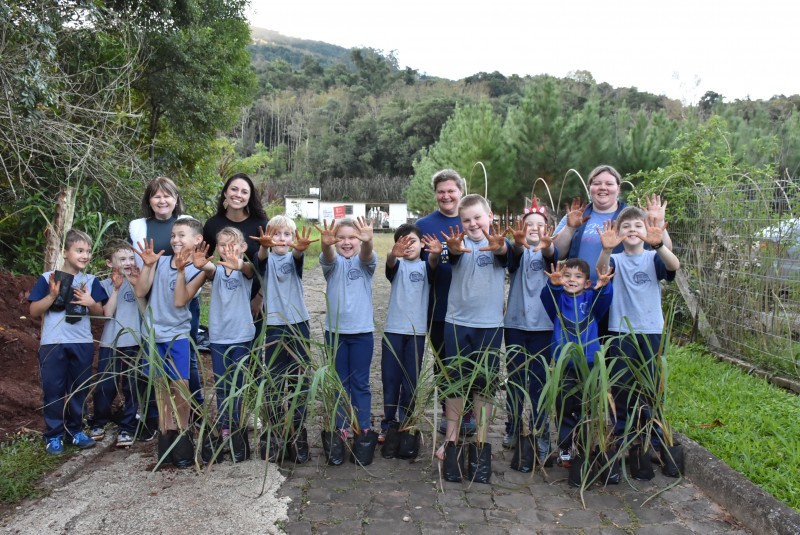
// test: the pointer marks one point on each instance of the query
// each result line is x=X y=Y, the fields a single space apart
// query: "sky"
x=677 y=48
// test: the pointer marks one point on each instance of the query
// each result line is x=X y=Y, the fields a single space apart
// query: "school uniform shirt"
x=637 y=293
x=168 y=321
x=123 y=329
x=284 y=290
x=575 y=317
x=55 y=329
x=525 y=311
x=349 y=292
x=477 y=294
x=229 y=318
x=408 y=298
x=435 y=223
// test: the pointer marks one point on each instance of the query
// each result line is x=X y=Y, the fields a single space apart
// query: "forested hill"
x=269 y=45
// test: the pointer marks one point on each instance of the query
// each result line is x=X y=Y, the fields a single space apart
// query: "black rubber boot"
x=240 y=445
x=299 y=447
x=524 y=454
x=609 y=468
x=165 y=440
x=333 y=447
x=408 y=448
x=364 y=448
x=391 y=442
x=479 y=468
x=673 y=460
x=183 y=452
x=453 y=464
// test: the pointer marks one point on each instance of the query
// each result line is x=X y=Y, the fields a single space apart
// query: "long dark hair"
x=254 y=207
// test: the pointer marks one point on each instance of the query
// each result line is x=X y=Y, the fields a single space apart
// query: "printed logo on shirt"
x=584 y=308
x=354 y=274
x=286 y=269
x=172 y=284
x=640 y=277
x=232 y=284
x=416 y=276
x=537 y=264
x=484 y=260
x=129 y=297
x=443 y=256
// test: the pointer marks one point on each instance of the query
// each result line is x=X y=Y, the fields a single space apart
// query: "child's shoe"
x=564 y=459
x=55 y=445
x=98 y=433
x=83 y=441
x=124 y=439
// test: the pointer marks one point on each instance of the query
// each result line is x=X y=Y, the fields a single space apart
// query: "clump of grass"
x=758 y=436
x=23 y=462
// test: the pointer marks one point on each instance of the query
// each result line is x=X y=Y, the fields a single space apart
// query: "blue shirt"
x=349 y=292
x=168 y=321
x=436 y=223
x=408 y=299
x=637 y=293
x=284 y=290
x=55 y=329
x=124 y=328
x=229 y=318
x=525 y=310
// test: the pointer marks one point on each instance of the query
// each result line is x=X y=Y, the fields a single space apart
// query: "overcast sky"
x=679 y=48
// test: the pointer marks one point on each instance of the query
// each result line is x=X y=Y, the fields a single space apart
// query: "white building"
x=385 y=214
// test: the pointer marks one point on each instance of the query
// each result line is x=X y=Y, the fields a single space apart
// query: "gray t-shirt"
x=637 y=293
x=408 y=299
x=525 y=310
x=55 y=328
x=229 y=317
x=124 y=329
x=284 y=290
x=349 y=293
x=169 y=322
x=477 y=294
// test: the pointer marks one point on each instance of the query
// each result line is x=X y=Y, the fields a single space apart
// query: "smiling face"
x=285 y=235
x=534 y=227
x=77 y=256
x=237 y=195
x=604 y=191
x=123 y=260
x=184 y=236
x=475 y=220
x=447 y=197
x=632 y=230
x=349 y=245
x=163 y=204
x=575 y=281
x=223 y=240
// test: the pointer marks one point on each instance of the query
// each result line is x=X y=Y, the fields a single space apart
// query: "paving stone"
x=297 y=528
x=671 y=529
x=580 y=518
x=496 y=516
x=444 y=528
x=482 y=501
x=349 y=526
x=464 y=514
x=475 y=529
x=654 y=515
x=515 y=502
x=397 y=527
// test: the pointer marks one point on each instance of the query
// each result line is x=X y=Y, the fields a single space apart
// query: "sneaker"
x=97 y=432
x=147 y=431
x=564 y=459
x=442 y=427
x=124 y=439
x=382 y=437
x=510 y=441
x=82 y=441
x=468 y=425
x=55 y=446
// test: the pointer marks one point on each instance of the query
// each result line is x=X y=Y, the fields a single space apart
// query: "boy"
x=171 y=282
x=66 y=299
x=403 y=343
x=574 y=309
x=636 y=319
x=119 y=345
x=473 y=331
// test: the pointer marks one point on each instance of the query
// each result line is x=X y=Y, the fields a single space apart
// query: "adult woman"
x=577 y=235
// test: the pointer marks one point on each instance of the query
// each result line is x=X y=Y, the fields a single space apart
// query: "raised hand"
x=609 y=235
x=55 y=287
x=575 y=217
x=146 y=253
x=133 y=276
x=604 y=276
x=183 y=258
x=363 y=229
x=655 y=208
x=303 y=240
x=328 y=234
x=82 y=296
x=654 y=233
x=265 y=239
x=117 y=278
x=497 y=238
x=545 y=238
x=400 y=247
x=519 y=232
x=229 y=256
x=455 y=241
x=432 y=244
x=200 y=255
x=556 y=274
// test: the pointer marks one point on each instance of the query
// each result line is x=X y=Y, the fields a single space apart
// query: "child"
x=119 y=345
x=574 y=309
x=528 y=333
x=348 y=263
x=66 y=299
x=171 y=282
x=287 y=334
x=403 y=341
x=230 y=325
x=635 y=319
x=473 y=334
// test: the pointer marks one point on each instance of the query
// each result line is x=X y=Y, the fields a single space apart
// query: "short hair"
x=113 y=246
x=405 y=229
x=604 y=169
x=232 y=232
x=166 y=185
x=547 y=220
x=346 y=222
x=448 y=174
x=190 y=222
x=473 y=199
x=74 y=236
x=580 y=264
x=280 y=221
x=629 y=213
x=254 y=207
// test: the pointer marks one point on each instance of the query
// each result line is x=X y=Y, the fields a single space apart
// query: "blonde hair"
x=473 y=199
x=281 y=221
x=233 y=233
x=74 y=236
x=346 y=222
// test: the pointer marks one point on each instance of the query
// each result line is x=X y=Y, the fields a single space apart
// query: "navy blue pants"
x=65 y=371
x=401 y=360
x=569 y=408
x=195 y=385
x=115 y=373
x=527 y=355
x=229 y=377
x=472 y=360
x=285 y=359
x=353 y=357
